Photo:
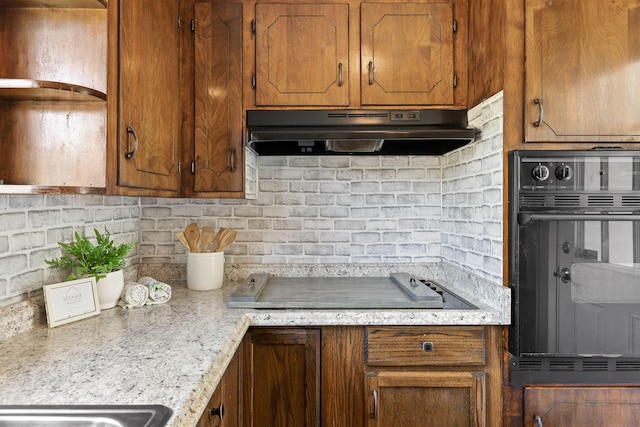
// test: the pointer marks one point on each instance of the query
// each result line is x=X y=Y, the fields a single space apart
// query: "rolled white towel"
x=134 y=295
x=158 y=292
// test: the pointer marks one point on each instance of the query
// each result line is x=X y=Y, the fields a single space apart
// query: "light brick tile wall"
x=32 y=225
x=472 y=192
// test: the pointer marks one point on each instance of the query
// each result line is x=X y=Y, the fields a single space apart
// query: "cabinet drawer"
x=435 y=345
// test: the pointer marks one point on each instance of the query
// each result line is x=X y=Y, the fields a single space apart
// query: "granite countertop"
x=172 y=354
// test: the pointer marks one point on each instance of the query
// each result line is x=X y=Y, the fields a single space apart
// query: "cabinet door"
x=582 y=73
x=224 y=406
x=302 y=54
x=219 y=154
x=149 y=94
x=581 y=406
x=407 y=54
x=426 y=399
x=282 y=378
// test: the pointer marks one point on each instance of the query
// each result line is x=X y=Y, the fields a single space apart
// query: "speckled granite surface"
x=174 y=354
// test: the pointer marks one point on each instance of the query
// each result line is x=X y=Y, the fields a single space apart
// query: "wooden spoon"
x=216 y=240
x=192 y=233
x=206 y=237
x=227 y=237
x=183 y=239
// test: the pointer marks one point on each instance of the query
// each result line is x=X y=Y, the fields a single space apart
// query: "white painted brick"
x=334 y=237
x=365 y=187
x=248 y=211
x=303 y=237
x=304 y=162
x=334 y=188
x=365 y=238
x=303 y=212
x=379 y=174
x=365 y=212
x=318 y=224
x=394 y=161
x=383 y=224
x=365 y=161
x=304 y=187
x=319 y=200
x=334 y=212
x=350 y=175
x=287 y=224
x=346 y=224
x=12 y=221
x=318 y=250
x=287 y=174
x=320 y=174
x=350 y=200
x=334 y=162
x=380 y=249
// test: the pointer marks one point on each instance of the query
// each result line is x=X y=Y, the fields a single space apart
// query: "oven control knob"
x=540 y=173
x=564 y=172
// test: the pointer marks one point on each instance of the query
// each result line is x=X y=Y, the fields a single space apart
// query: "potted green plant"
x=102 y=260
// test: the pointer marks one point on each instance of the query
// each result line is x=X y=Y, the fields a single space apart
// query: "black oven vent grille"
x=600 y=201
x=577 y=201
x=577 y=365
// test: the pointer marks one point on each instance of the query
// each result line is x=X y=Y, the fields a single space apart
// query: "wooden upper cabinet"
x=219 y=154
x=406 y=54
x=302 y=54
x=582 y=71
x=148 y=101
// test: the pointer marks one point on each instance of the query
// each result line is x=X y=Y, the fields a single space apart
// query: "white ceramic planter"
x=109 y=289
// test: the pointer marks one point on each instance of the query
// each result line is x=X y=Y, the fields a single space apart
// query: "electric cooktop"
x=398 y=291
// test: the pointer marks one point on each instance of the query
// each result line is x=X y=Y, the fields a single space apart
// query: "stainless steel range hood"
x=358 y=132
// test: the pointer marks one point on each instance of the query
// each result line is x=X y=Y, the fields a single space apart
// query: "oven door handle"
x=526 y=218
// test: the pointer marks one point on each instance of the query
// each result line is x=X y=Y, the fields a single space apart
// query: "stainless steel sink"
x=84 y=415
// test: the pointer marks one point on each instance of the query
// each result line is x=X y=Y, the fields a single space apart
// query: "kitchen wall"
x=345 y=209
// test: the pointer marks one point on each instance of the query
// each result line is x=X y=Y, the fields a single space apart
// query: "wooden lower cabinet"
x=282 y=377
x=223 y=409
x=563 y=406
x=425 y=376
x=427 y=399
x=413 y=376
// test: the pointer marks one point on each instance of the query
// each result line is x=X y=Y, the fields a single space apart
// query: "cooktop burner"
x=399 y=290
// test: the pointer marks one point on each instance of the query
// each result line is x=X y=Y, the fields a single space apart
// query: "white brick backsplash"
x=472 y=196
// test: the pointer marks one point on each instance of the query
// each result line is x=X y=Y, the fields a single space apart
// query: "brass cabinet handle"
x=374 y=414
x=370 y=72
x=130 y=154
x=232 y=159
x=538 y=102
x=340 y=74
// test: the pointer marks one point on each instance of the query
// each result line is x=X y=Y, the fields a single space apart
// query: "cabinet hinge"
x=455 y=80
x=253 y=81
x=193 y=25
x=193 y=167
x=455 y=27
x=179 y=164
x=253 y=26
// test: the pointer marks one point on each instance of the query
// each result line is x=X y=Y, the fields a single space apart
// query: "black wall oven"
x=574 y=266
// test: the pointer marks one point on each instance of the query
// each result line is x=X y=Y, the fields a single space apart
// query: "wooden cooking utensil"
x=183 y=239
x=206 y=237
x=216 y=240
x=227 y=236
x=192 y=233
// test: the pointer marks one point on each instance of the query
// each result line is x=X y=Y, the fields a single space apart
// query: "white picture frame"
x=67 y=302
